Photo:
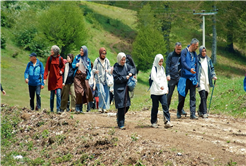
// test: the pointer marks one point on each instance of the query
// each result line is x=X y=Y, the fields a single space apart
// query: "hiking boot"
x=100 y=110
x=123 y=128
x=205 y=116
x=168 y=124
x=36 y=109
x=154 y=125
x=105 y=111
x=184 y=113
x=178 y=114
x=199 y=113
x=194 y=117
x=58 y=112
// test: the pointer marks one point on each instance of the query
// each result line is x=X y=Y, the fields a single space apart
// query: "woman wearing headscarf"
x=122 y=72
x=54 y=68
x=82 y=66
x=100 y=68
x=206 y=73
x=159 y=91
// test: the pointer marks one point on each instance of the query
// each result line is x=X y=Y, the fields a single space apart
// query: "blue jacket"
x=35 y=74
x=211 y=72
x=88 y=70
x=188 y=62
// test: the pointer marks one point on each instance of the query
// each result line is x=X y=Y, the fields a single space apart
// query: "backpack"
x=150 y=80
x=59 y=61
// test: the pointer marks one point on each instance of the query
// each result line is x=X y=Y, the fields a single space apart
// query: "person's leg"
x=165 y=109
x=100 y=93
x=68 y=103
x=31 y=95
x=64 y=97
x=72 y=97
x=52 y=95
x=171 y=88
x=120 y=117
x=192 y=101
x=58 y=100
x=125 y=111
x=106 y=91
x=38 y=96
x=154 y=110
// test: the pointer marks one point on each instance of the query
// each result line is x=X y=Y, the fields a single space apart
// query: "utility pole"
x=214 y=43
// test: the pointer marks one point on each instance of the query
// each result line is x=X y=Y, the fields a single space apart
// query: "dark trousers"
x=171 y=87
x=121 y=116
x=155 y=104
x=32 y=91
x=203 y=104
x=111 y=97
x=192 y=88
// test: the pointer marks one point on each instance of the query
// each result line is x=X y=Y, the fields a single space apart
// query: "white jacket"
x=159 y=78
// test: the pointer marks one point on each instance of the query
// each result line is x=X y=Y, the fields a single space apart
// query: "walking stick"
x=211 y=96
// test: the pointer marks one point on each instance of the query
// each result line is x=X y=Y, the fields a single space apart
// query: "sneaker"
x=194 y=117
x=168 y=124
x=184 y=113
x=205 y=116
x=59 y=112
x=105 y=111
x=100 y=110
x=154 y=125
x=123 y=128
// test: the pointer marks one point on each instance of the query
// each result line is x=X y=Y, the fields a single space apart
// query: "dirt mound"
x=94 y=139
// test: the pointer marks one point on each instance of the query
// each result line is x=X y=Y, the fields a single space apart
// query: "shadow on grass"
x=228 y=70
x=144 y=82
x=236 y=56
x=111 y=25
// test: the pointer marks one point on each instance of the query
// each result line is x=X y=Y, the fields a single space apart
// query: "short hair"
x=194 y=41
x=178 y=44
x=55 y=49
x=70 y=56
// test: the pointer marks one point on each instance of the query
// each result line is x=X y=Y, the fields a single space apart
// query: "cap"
x=33 y=54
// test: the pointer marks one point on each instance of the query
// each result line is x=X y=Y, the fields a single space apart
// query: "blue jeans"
x=32 y=91
x=155 y=105
x=58 y=99
x=103 y=96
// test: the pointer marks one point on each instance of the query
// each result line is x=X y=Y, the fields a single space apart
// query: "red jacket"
x=52 y=68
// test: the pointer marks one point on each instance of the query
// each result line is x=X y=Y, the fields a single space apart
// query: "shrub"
x=3 y=41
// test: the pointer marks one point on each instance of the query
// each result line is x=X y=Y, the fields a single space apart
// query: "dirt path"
x=216 y=140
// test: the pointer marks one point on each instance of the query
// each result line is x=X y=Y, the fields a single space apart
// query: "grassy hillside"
x=229 y=97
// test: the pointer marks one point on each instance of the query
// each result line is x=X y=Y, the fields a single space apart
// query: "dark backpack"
x=150 y=80
x=59 y=61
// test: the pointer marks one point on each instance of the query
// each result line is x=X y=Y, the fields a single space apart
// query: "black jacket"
x=121 y=92
x=173 y=65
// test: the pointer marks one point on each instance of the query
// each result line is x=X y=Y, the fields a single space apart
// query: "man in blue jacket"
x=188 y=79
x=34 y=76
x=173 y=67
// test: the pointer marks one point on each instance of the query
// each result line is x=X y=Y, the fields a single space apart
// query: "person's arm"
x=154 y=76
x=168 y=62
x=119 y=78
x=26 y=73
x=183 y=61
x=89 y=69
x=1 y=87
x=3 y=91
x=42 y=73
x=213 y=75
x=74 y=62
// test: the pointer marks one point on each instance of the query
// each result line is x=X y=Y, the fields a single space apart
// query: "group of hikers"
x=81 y=79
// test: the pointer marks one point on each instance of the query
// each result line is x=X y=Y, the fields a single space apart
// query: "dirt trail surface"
x=93 y=138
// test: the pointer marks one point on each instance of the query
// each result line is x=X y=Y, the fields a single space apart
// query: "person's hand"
x=167 y=91
x=135 y=77
x=94 y=88
x=130 y=74
x=215 y=78
x=196 y=85
x=27 y=80
x=127 y=77
x=44 y=82
x=106 y=70
x=168 y=78
x=97 y=71
x=61 y=72
x=42 y=87
x=63 y=85
x=162 y=88
x=4 y=93
x=77 y=64
x=192 y=71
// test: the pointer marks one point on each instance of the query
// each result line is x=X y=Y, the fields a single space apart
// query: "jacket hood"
x=158 y=57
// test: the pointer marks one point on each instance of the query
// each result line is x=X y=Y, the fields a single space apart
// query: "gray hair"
x=194 y=41
x=178 y=44
x=55 y=49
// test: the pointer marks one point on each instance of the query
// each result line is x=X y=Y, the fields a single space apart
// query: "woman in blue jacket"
x=34 y=76
x=206 y=73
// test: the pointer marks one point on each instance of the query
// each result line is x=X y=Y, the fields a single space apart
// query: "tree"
x=149 y=40
x=64 y=25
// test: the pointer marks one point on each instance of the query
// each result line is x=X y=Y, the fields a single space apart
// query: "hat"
x=33 y=54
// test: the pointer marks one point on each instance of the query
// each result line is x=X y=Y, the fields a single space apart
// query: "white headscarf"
x=120 y=56
x=158 y=57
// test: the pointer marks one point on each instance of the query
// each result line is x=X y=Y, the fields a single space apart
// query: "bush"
x=24 y=37
x=3 y=41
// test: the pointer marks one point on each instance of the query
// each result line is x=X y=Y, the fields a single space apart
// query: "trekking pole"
x=211 y=96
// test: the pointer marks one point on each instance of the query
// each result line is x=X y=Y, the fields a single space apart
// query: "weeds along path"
x=218 y=139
